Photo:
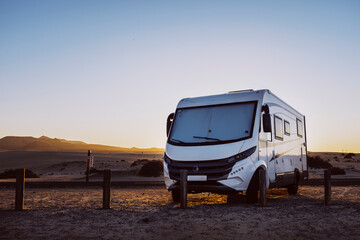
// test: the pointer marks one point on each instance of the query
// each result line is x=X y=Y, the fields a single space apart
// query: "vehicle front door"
x=266 y=150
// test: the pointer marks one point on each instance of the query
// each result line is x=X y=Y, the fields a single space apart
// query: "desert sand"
x=75 y=213
x=70 y=166
x=350 y=165
x=150 y=214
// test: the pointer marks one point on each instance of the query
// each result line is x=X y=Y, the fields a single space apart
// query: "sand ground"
x=71 y=166
x=350 y=165
x=150 y=214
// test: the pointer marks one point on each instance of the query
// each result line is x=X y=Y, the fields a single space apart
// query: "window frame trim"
x=282 y=124
x=286 y=133
x=297 y=128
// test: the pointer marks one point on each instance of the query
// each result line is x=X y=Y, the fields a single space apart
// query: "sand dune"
x=54 y=144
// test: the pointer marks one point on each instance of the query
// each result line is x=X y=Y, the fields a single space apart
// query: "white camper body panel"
x=284 y=153
x=280 y=156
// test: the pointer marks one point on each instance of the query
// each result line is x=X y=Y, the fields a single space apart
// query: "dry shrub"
x=11 y=173
x=349 y=155
x=318 y=162
x=139 y=162
x=151 y=169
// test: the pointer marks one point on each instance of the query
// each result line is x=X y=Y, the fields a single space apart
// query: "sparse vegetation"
x=318 y=162
x=11 y=173
x=349 y=155
x=151 y=169
x=139 y=162
x=337 y=171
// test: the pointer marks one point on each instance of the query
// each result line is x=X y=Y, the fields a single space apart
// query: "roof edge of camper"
x=240 y=91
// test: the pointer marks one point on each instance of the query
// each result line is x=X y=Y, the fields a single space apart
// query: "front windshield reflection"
x=211 y=124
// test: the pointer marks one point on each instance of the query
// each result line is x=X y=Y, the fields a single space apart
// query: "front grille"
x=214 y=170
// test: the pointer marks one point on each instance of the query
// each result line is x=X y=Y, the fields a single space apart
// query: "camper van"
x=223 y=140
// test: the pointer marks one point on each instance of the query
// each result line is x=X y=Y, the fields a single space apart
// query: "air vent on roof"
x=240 y=91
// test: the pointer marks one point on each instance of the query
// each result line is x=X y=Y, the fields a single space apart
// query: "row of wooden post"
x=20 y=188
x=183 y=188
x=262 y=188
x=327 y=185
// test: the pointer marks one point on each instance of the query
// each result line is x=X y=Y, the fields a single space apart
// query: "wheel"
x=292 y=189
x=253 y=189
x=175 y=196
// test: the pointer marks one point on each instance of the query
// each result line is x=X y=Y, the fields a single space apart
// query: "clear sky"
x=110 y=72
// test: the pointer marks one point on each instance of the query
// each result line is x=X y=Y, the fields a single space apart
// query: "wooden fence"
x=20 y=188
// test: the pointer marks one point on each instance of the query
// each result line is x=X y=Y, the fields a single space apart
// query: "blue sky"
x=110 y=72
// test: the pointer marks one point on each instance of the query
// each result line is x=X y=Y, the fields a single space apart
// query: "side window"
x=286 y=128
x=300 y=128
x=279 y=128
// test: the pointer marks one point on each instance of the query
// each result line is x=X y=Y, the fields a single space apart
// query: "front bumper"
x=235 y=181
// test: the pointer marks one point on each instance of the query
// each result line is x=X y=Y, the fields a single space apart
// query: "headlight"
x=242 y=155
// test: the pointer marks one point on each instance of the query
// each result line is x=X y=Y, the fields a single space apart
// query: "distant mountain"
x=54 y=144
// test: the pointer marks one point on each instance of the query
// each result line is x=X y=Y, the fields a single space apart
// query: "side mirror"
x=169 y=123
x=266 y=122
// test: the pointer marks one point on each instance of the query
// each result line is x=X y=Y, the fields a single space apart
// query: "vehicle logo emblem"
x=195 y=168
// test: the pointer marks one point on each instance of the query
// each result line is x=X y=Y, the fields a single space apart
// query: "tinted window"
x=279 y=130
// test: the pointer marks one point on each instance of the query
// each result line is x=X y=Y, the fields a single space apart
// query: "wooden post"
x=106 y=189
x=183 y=189
x=327 y=185
x=88 y=166
x=20 y=189
x=262 y=187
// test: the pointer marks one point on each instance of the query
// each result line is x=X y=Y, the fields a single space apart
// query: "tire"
x=175 y=196
x=252 y=193
x=292 y=189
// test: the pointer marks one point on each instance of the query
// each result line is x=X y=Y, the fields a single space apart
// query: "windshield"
x=213 y=124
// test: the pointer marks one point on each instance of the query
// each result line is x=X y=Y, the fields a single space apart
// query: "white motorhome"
x=223 y=140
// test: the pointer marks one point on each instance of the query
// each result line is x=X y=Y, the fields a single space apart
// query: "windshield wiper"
x=176 y=140
x=207 y=138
